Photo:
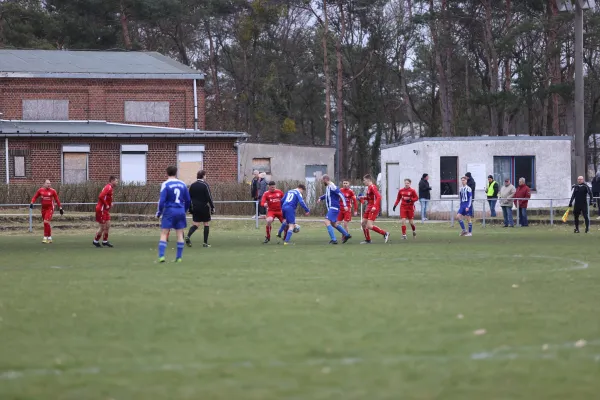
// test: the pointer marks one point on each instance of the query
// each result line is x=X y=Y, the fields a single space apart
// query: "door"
x=392 y=185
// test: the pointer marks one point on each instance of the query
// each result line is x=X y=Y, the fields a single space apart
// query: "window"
x=262 y=165
x=311 y=171
x=75 y=163
x=190 y=160
x=514 y=168
x=133 y=163
x=449 y=176
x=19 y=166
x=46 y=110
x=147 y=111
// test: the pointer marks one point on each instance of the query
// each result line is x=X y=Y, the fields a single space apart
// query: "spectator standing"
x=424 y=195
x=522 y=192
x=507 y=192
x=596 y=191
x=581 y=191
x=492 y=190
x=262 y=188
x=254 y=187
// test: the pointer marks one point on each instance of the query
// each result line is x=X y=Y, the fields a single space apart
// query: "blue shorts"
x=332 y=215
x=173 y=221
x=462 y=211
x=289 y=214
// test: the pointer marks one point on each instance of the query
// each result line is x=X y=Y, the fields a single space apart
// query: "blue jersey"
x=333 y=196
x=174 y=198
x=466 y=197
x=292 y=199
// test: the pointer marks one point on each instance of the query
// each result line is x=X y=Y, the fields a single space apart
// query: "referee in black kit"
x=202 y=208
x=581 y=192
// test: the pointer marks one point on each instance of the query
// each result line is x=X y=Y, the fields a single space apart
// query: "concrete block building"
x=74 y=116
x=544 y=162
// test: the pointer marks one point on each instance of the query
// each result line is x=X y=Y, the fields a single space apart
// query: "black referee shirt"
x=200 y=194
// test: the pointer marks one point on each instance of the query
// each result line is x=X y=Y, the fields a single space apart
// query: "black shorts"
x=201 y=214
x=580 y=210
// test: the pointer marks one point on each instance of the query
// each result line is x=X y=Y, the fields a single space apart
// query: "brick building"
x=73 y=116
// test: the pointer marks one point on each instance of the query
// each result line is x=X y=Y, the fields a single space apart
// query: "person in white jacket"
x=507 y=193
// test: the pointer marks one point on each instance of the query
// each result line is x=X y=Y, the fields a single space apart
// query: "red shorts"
x=371 y=215
x=102 y=216
x=407 y=213
x=345 y=216
x=275 y=215
x=47 y=213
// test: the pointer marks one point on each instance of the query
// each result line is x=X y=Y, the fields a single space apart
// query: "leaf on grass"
x=480 y=332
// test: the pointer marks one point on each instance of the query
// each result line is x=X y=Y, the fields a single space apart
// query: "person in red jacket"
x=407 y=197
x=103 y=213
x=523 y=192
x=49 y=197
x=345 y=216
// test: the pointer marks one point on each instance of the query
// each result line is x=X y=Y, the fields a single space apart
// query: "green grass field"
x=242 y=320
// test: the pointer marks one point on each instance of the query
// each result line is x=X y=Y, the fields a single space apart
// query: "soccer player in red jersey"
x=49 y=197
x=271 y=200
x=373 y=199
x=103 y=213
x=345 y=216
x=407 y=197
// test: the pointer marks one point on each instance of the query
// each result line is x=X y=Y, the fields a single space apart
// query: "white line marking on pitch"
x=501 y=353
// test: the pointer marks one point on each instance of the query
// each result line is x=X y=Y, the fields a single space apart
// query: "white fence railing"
x=445 y=210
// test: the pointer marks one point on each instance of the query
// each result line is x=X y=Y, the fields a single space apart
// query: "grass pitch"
x=506 y=314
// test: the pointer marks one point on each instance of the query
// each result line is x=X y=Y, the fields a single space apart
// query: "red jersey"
x=105 y=198
x=49 y=197
x=273 y=200
x=373 y=197
x=350 y=198
x=408 y=197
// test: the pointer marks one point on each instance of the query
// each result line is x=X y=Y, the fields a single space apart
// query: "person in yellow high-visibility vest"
x=492 y=190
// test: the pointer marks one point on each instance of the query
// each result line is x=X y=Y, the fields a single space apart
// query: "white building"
x=544 y=161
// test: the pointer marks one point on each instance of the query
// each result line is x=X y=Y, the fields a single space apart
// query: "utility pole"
x=337 y=160
x=579 y=140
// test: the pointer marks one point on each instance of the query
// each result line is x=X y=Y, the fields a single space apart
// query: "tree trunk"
x=492 y=58
x=343 y=152
x=125 y=27
x=326 y=77
x=554 y=63
x=507 y=74
x=468 y=99
x=442 y=79
x=215 y=77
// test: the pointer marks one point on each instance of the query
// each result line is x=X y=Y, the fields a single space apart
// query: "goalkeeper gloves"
x=60 y=210
x=394 y=208
x=212 y=210
x=31 y=206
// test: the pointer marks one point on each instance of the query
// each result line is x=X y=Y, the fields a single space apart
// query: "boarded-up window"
x=190 y=160
x=147 y=111
x=46 y=110
x=262 y=165
x=133 y=163
x=75 y=167
x=19 y=166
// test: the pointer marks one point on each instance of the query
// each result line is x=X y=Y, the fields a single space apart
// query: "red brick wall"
x=44 y=158
x=104 y=99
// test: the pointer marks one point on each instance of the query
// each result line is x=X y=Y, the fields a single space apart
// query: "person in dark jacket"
x=596 y=191
x=254 y=187
x=424 y=195
x=201 y=209
x=262 y=188
x=471 y=184
x=492 y=194
x=581 y=191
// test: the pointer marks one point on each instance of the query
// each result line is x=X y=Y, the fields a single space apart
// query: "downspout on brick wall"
x=6 y=151
x=195 y=106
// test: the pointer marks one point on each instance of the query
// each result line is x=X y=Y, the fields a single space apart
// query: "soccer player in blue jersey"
x=290 y=203
x=332 y=199
x=173 y=205
x=466 y=207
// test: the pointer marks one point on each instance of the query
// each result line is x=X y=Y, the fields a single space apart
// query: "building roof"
x=102 y=129
x=92 y=65
x=476 y=138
